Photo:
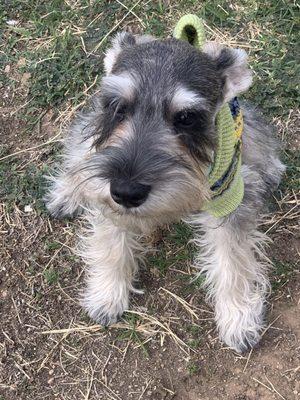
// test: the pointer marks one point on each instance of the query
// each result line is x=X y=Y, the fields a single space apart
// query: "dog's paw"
x=242 y=342
x=56 y=207
x=103 y=317
x=241 y=330
x=60 y=207
x=105 y=311
x=59 y=201
x=59 y=210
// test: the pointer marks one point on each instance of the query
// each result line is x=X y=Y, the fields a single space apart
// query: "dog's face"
x=154 y=135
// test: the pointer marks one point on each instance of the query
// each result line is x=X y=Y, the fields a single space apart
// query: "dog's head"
x=154 y=132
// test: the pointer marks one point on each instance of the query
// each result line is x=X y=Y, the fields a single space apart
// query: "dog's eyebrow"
x=119 y=86
x=185 y=98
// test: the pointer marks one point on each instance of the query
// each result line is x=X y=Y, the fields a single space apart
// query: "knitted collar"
x=225 y=179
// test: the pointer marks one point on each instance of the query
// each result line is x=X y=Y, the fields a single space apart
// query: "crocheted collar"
x=225 y=179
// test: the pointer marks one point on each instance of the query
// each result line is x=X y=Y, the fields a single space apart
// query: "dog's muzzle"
x=129 y=194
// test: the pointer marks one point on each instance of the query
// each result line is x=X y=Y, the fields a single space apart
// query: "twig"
x=261 y=383
x=53 y=140
x=248 y=359
x=269 y=326
x=264 y=331
x=90 y=384
x=166 y=329
x=274 y=389
x=51 y=352
x=280 y=219
x=17 y=311
x=182 y=302
x=22 y=370
x=133 y=13
x=145 y=388
x=113 y=29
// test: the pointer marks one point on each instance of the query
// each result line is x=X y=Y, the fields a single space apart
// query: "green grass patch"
x=132 y=334
x=53 y=245
x=193 y=368
x=194 y=343
x=175 y=250
x=282 y=273
x=58 y=42
x=292 y=176
x=51 y=276
x=22 y=186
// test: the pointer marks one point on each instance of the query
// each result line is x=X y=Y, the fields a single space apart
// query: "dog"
x=139 y=157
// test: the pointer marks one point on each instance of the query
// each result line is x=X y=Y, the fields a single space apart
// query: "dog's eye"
x=185 y=118
x=120 y=112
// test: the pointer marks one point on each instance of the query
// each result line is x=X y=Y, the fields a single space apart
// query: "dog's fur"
x=134 y=132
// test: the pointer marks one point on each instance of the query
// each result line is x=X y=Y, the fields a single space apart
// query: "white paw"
x=240 y=329
x=59 y=200
x=103 y=307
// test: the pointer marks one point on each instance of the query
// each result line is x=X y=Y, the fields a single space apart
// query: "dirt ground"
x=167 y=347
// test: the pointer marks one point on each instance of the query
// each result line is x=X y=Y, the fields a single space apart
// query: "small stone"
x=12 y=22
x=25 y=78
x=28 y=208
x=21 y=62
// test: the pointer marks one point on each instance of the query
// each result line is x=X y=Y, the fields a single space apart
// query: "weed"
x=281 y=274
x=51 y=276
x=53 y=245
x=22 y=186
x=131 y=334
x=194 y=343
x=193 y=368
x=193 y=330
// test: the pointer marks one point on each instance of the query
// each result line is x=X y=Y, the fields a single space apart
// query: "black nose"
x=129 y=194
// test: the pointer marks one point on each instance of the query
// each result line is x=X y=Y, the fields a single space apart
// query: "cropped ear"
x=119 y=43
x=233 y=66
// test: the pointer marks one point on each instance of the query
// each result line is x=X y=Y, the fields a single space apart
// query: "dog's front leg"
x=111 y=254
x=234 y=277
x=64 y=195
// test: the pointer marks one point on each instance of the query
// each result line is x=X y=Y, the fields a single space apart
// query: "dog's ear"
x=233 y=66
x=119 y=43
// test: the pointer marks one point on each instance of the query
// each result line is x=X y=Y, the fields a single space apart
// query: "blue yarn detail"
x=234 y=107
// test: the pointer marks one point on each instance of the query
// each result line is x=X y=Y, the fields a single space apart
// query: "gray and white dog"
x=138 y=158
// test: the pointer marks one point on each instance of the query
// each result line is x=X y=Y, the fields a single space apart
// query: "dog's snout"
x=129 y=194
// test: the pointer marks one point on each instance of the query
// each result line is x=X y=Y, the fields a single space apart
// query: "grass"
x=131 y=334
x=53 y=245
x=57 y=43
x=292 y=177
x=174 y=249
x=193 y=368
x=22 y=186
x=194 y=343
x=281 y=274
x=51 y=276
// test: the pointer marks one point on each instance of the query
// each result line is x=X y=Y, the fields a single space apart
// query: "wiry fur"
x=132 y=133
x=112 y=268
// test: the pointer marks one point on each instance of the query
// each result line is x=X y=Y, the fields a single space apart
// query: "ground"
x=166 y=347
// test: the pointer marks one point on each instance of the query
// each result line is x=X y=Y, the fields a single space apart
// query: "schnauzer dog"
x=139 y=157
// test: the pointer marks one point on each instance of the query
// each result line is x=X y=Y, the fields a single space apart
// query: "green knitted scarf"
x=225 y=177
